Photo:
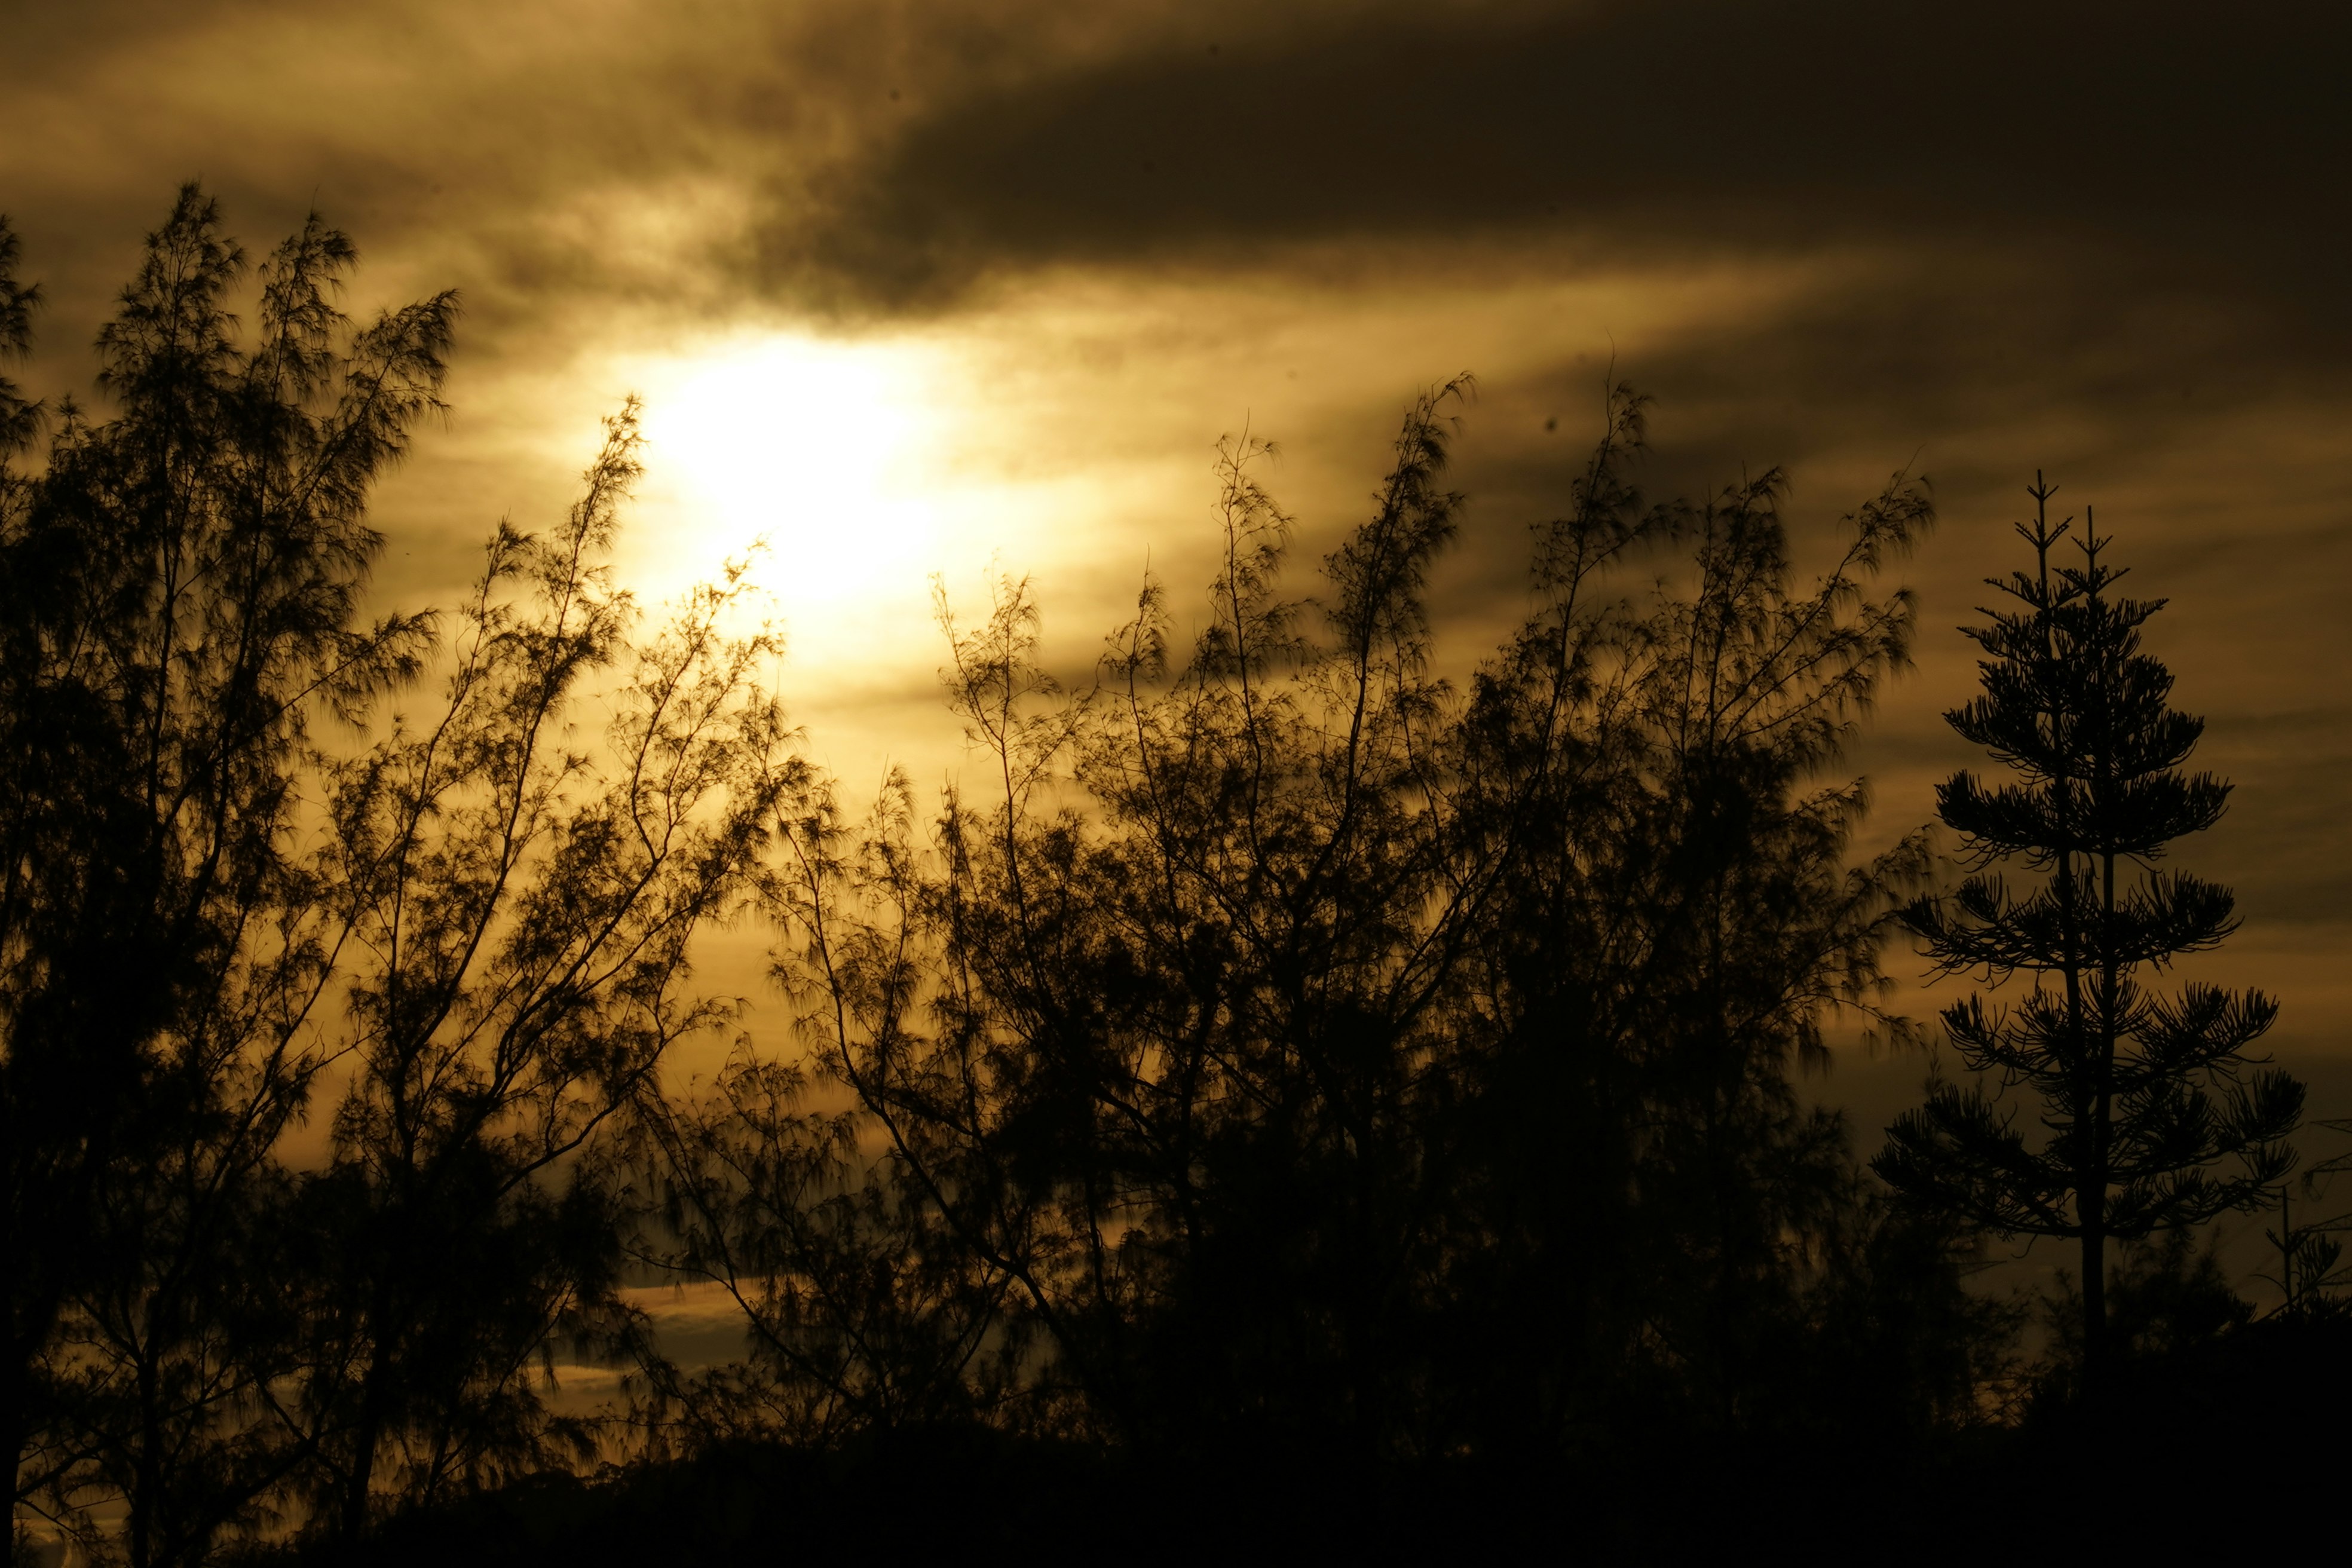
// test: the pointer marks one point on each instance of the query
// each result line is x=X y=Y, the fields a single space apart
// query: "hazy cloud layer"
x=1980 y=238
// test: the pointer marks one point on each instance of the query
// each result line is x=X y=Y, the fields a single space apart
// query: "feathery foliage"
x=178 y=586
x=486 y=944
x=1279 y=1052
x=1307 y=1054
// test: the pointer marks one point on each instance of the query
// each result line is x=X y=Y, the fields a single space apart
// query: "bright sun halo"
x=808 y=445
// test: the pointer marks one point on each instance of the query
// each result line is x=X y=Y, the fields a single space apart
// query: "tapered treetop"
x=2153 y=1119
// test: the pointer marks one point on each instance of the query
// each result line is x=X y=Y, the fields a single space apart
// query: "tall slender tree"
x=523 y=911
x=1677 y=914
x=2157 y=1115
x=179 y=586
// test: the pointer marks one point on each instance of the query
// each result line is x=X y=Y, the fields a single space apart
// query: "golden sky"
x=914 y=286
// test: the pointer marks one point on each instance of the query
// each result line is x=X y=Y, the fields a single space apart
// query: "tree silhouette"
x=2143 y=1094
x=19 y=416
x=1277 y=1053
x=1675 y=918
x=1309 y=1057
x=490 y=940
x=521 y=915
x=177 y=594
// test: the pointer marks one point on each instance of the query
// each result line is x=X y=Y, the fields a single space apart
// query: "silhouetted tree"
x=1675 y=917
x=1280 y=1052
x=1165 y=1098
x=864 y=1312
x=1338 y=1065
x=491 y=942
x=19 y=416
x=2310 y=1256
x=177 y=594
x=522 y=914
x=2144 y=1095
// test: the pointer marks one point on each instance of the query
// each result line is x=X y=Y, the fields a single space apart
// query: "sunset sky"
x=911 y=287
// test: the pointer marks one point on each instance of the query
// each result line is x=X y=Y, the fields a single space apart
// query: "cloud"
x=892 y=156
x=2102 y=238
x=1673 y=122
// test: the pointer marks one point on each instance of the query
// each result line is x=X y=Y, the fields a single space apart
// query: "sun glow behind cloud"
x=812 y=449
x=855 y=472
x=1065 y=434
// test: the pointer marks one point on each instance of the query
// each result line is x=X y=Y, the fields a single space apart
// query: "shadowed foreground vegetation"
x=1283 y=1094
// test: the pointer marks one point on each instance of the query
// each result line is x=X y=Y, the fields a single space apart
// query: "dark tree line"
x=1278 y=1050
x=1293 y=1051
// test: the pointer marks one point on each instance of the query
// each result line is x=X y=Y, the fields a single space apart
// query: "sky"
x=930 y=287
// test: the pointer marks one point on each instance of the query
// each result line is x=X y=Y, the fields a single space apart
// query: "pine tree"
x=2156 y=1118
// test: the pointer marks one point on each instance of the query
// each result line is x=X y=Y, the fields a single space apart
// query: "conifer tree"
x=2157 y=1118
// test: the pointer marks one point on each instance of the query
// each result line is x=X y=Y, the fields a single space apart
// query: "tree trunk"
x=149 y=1490
x=374 y=1395
x=2094 y=1292
x=363 y=1447
x=13 y=1413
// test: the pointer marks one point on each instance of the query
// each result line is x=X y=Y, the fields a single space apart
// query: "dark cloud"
x=892 y=153
x=2210 y=140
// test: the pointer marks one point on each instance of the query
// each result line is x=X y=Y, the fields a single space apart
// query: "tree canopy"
x=1277 y=1054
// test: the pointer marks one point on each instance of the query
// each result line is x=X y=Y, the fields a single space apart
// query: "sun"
x=812 y=449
